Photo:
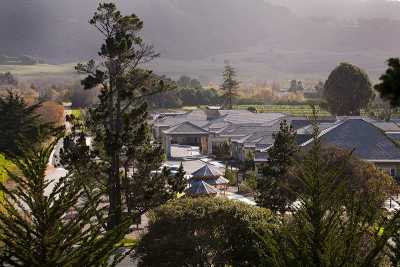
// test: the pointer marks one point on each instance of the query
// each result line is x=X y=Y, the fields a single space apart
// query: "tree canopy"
x=20 y=123
x=204 y=232
x=389 y=86
x=347 y=90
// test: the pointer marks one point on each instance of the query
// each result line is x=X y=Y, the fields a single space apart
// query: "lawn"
x=39 y=69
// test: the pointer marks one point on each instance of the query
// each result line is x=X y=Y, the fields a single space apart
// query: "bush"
x=204 y=232
x=231 y=176
x=245 y=189
x=251 y=181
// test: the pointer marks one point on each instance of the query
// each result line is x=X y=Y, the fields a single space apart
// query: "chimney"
x=212 y=112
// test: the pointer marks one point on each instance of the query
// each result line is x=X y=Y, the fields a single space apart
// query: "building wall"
x=393 y=169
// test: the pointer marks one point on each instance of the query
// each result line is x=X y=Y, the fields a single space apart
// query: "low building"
x=211 y=128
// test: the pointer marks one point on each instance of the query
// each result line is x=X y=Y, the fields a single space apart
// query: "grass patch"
x=39 y=69
x=4 y=164
x=129 y=243
x=77 y=113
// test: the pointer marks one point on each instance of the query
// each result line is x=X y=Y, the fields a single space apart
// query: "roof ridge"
x=322 y=133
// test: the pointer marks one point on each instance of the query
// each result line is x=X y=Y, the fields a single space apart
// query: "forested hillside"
x=297 y=38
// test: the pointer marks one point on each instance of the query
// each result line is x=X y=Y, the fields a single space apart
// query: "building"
x=211 y=128
x=250 y=135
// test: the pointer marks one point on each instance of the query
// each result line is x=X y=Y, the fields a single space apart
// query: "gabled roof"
x=186 y=128
x=370 y=143
x=206 y=171
x=201 y=188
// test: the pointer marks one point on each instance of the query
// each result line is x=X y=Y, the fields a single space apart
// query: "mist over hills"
x=265 y=39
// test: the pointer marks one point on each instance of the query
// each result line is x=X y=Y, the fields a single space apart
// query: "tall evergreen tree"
x=118 y=122
x=18 y=122
x=229 y=85
x=272 y=188
x=44 y=223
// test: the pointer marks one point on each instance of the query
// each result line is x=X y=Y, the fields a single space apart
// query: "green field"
x=303 y=110
x=39 y=69
x=294 y=110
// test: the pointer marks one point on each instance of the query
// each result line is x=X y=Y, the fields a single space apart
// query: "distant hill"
x=265 y=39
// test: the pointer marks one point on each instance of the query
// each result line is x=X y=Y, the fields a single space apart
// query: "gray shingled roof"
x=186 y=128
x=387 y=126
x=249 y=117
x=199 y=188
x=369 y=142
x=394 y=136
x=211 y=181
x=206 y=171
x=219 y=181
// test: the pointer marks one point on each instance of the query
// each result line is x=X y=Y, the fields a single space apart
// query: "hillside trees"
x=347 y=90
x=229 y=85
x=7 y=79
x=389 y=87
x=44 y=223
x=121 y=136
x=51 y=112
x=187 y=92
x=204 y=232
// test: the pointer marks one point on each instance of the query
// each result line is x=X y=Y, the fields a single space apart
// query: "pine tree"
x=18 y=122
x=178 y=181
x=44 y=222
x=229 y=85
x=118 y=122
x=272 y=191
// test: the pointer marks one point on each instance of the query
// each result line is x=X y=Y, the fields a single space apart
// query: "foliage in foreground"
x=44 y=223
x=204 y=232
x=330 y=224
